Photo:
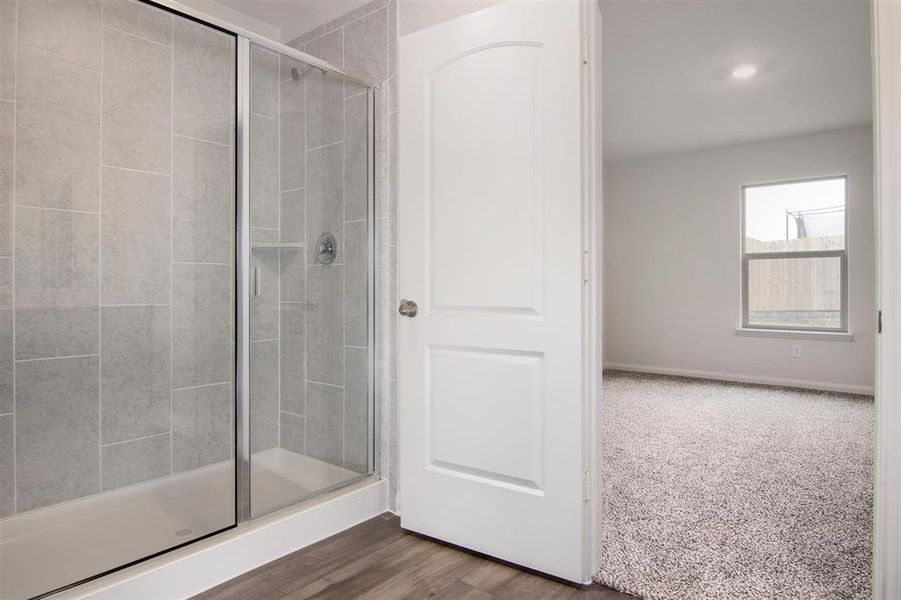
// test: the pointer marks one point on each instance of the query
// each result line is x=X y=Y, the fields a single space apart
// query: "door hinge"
x=879 y=321
x=586 y=266
x=586 y=487
x=585 y=47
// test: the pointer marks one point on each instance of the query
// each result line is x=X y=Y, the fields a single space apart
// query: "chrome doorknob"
x=408 y=308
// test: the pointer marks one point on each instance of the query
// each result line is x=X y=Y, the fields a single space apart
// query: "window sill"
x=792 y=334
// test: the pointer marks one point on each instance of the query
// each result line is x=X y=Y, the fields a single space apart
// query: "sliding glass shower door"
x=117 y=270
x=310 y=271
x=186 y=283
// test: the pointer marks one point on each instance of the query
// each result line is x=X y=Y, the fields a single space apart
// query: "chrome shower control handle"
x=408 y=308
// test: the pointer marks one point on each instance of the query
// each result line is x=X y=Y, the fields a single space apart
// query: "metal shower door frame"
x=243 y=283
x=244 y=40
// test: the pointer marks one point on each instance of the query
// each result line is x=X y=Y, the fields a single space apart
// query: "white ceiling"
x=667 y=84
x=294 y=17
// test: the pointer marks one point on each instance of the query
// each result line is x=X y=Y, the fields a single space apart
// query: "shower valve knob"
x=408 y=308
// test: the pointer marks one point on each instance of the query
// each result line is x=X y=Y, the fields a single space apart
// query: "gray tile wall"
x=116 y=270
x=362 y=42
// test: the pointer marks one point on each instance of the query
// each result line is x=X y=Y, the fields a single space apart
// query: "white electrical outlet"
x=796 y=350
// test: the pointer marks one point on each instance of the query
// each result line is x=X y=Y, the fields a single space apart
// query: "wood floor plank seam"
x=377 y=560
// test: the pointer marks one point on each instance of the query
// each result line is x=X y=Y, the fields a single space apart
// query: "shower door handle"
x=408 y=308
x=255 y=281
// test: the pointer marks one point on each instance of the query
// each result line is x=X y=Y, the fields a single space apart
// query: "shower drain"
x=181 y=533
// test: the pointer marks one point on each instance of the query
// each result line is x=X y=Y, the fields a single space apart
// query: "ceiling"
x=667 y=84
x=294 y=17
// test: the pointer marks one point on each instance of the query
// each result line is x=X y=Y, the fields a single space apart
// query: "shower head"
x=298 y=74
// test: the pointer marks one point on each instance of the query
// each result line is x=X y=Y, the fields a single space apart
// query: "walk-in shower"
x=186 y=284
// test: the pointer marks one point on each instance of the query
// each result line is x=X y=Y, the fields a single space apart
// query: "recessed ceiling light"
x=744 y=71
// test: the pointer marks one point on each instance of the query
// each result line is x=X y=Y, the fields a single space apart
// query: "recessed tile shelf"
x=277 y=246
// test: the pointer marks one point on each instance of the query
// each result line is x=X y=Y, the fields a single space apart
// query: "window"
x=794 y=261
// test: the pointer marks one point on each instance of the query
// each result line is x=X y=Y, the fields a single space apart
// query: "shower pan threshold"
x=49 y=548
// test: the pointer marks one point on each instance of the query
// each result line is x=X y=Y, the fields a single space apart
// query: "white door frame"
x=592 y=294
x=887 y=140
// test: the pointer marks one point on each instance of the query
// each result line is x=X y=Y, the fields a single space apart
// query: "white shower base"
x=48 y=548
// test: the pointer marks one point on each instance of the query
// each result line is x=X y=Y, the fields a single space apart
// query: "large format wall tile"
x=264 y=305
x=356 y=173
x=324 y=197
x=292 y=433
x=356 y=284
x=292 y=371
x=138 y=18
x=57 y=437
x=7 y=466
x=264 y=192
x=325 y=324
x=204 y=73
x=56 y=331
x=324 y=108
x=56 y=258
x=292 y=216
x=6 y=335
x=135 y=237
x=202 y=325
x=263 y=395
x=69 y=28
x=134 y=372
x=204 y=202
x=136 y=461
x=201 y=426
x=57 y=283
x=292 y=276
x=8 y=38
x=328 y=47
x=137 y=103
x=7 y=137
x=325 y=416
x=57 y=132
x=264 y=78
x=356 y=410
x=292 y=134
x=366 y=46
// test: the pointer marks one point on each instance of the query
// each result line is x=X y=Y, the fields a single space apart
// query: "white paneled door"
x=490 y=250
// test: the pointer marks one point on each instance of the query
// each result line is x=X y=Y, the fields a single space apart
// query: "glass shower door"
x=117 y=279
x=311 y=241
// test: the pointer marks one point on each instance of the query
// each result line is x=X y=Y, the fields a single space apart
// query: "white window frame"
x=747 y=257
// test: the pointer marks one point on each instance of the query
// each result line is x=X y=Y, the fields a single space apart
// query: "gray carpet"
x=725 y=490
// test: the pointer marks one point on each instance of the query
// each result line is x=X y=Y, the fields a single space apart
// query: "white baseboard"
x=742 y=378
x=205 y=564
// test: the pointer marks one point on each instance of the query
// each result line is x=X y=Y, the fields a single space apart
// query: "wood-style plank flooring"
x=378 y=560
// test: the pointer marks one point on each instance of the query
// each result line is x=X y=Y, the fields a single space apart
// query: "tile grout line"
x=100 y=271
x=171 y=247
x=53 y=208
x=190 y=137
x=133 y=35
x=344 y=269
x=322 y=146
x=145 y=171
x=13 y=270
x=43 y=358
x=334 y=385
x=137 y=439
x=200 y=386
x=54 y=54
x=278 y=352
x=306 y=278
